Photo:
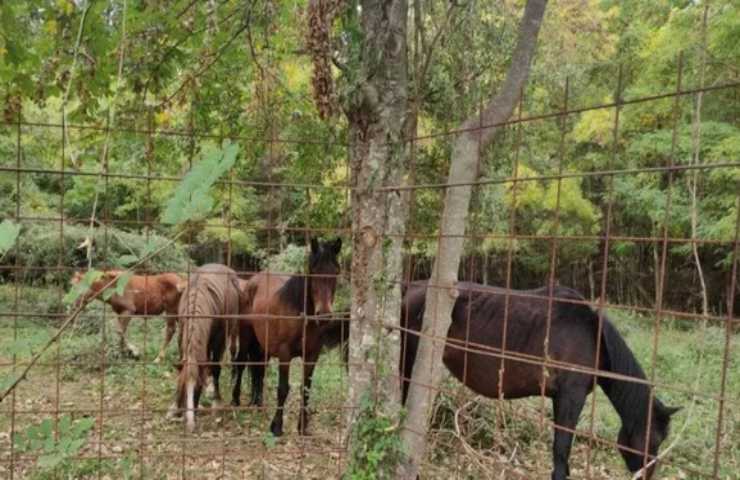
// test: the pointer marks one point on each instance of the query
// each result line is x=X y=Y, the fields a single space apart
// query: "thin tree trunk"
x=377 y=159
x=591 y=282
x=696 y=159
x=441 y=296
x=656 y=273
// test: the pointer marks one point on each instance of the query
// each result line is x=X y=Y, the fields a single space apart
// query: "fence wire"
x=83 y=375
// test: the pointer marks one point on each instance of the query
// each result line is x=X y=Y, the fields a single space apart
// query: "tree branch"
x=499 y=109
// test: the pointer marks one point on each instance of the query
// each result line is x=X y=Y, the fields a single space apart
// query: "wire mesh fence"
x=95 y=403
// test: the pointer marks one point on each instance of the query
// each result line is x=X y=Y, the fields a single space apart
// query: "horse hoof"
x=173 y=413
x=303 y=428
x=131 y=352
x=277 y=430
x=158 y=360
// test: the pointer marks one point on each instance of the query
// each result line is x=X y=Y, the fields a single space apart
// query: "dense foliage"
x=170 y=78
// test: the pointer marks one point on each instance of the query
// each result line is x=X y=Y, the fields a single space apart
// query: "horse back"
x=494 y=330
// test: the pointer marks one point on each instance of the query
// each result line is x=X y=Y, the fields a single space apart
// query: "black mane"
x=294 y=294
x=630 y=399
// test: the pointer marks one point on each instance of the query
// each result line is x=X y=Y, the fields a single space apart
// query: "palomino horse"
x=143 y=295
x=208 y=307
x=478 y=319
x=280 y=318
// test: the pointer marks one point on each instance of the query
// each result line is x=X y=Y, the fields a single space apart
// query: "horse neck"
x=296 y=293
x=630 y=399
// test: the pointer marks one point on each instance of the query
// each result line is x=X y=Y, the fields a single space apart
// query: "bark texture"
x=376 y=113
x=441 y=299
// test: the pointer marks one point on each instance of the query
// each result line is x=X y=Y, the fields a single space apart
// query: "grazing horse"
x=572 y=340
x=280 y=318
x=143 y=295
x=208 y=307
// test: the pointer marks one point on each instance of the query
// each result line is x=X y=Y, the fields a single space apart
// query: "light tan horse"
x=208 y=308
x=144 y=295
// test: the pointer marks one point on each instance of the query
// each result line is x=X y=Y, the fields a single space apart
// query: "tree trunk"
x=693 y=180
x=376 y=115
x=442 y=293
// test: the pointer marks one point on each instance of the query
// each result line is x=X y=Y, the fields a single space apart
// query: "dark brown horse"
x=572 y=340
x=282 y=318
x=143 y=295
x=208 y=307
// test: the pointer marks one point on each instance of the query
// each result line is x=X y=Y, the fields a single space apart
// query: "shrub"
x=41 y=248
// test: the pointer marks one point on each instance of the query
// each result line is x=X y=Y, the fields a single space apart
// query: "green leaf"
x=192 y=199
x=82 y=287
x=269 y=440
x=126 y=260
x=50 y=461
x=121 y=282
x=8 y=234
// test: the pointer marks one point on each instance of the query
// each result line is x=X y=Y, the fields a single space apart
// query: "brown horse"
x=281 y=318
x=478 y=316
x=208 y=307
x=143 y=295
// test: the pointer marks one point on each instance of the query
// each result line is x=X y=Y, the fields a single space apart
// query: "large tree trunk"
x=377 y=159
x=442 y=292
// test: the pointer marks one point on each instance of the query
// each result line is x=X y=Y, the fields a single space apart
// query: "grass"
x=132 y=438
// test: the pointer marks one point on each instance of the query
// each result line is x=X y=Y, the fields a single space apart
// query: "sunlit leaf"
x=192 y=200
x=82 y=287
x=8 y=234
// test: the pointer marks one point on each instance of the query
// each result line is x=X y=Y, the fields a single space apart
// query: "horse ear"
x=314 y=245
x=336 y=246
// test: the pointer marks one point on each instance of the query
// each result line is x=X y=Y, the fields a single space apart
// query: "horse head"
x=635 y=441
x=323 y=269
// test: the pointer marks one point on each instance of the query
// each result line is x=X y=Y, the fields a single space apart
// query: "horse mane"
x=293 y=293
x=630 y=399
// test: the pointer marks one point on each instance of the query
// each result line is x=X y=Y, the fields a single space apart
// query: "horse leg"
x=125 y=347
x=276 y=427
x=169 y=331
x=567 y=405
x=258 y=361
x=309 y=363
x=216 y=353
x=409 y=345
x=240 y=356
x=193 y=399
x=237 y=370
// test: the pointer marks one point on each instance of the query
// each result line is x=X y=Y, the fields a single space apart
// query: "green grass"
x=91 y=374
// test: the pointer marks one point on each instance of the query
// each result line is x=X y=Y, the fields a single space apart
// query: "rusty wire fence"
x=82 y=376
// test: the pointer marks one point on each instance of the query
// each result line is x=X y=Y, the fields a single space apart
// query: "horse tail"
x=195 y=329
x=629 y=398
x=187 y=386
